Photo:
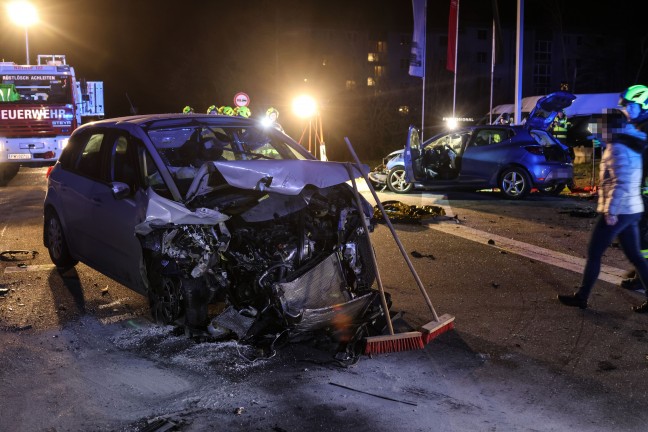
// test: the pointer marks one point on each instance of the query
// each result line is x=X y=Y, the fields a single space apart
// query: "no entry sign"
x=241 y=99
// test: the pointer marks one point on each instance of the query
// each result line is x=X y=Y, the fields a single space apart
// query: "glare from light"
x=452 y=123
x=304 y=106
x=266 y=122
x=22 y=13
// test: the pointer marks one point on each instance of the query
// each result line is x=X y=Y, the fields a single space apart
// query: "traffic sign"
x=241 y=99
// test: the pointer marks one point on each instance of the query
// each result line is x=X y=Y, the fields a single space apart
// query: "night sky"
x=167 y=54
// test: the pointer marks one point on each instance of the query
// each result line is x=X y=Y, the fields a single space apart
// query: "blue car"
x=512 y=158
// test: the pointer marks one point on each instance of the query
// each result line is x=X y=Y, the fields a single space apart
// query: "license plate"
x=20 y=156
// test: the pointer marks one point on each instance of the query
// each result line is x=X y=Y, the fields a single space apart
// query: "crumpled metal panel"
x=338 y=317
x=161 y=211
x=232 y=320
x=282 y=176
x=322 y=286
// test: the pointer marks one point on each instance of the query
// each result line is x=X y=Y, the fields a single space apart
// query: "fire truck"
x=40 y=106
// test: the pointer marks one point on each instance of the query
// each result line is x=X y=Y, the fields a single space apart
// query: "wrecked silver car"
x=231 y=229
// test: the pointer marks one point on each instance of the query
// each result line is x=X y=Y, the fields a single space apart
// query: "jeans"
x=627 y=230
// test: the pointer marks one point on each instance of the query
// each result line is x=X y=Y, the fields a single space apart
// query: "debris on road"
x=11 y=255
x=373 y=394
x=404 y=213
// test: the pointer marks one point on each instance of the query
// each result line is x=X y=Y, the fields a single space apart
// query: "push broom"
x=440 y=324
x=392 y=342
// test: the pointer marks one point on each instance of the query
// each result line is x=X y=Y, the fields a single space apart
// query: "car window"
x=123 y=162
x=487 y=137
x=151 y=174
x=89 y=160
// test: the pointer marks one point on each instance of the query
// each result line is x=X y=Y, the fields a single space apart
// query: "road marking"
x=609 y=274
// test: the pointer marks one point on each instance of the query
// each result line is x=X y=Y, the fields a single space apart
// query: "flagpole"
x=454 y=92
x=423 y=77
x=490 y=110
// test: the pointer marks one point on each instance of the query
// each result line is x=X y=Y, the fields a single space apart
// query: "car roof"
x=147 y=121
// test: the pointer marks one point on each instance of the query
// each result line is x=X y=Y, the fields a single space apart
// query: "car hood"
x=547 y=107
x=286 y=177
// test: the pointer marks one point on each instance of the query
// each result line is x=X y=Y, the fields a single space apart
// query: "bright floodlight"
x=452 y=123
x=304 y=106
x=22 y=13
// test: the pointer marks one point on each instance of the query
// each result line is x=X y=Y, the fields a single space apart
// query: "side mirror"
x=120 y=190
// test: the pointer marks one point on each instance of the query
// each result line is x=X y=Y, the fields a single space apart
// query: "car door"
x=117 y=251
x=412 y=157
x=485 y=153
x=76 y=185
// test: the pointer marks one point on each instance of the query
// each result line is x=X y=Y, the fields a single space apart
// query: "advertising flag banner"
x=452 y=35
x=417 y=54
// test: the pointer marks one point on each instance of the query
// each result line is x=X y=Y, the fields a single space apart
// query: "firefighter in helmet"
x=212 y=109
x=272 y=114
x=187 y=110
x=243 y=111
x=226 y=110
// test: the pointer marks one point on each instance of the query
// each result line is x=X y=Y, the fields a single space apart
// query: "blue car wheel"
x=514 y=183
x=396 y=181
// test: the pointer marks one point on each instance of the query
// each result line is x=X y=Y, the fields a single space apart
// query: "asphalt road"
x=78 y=352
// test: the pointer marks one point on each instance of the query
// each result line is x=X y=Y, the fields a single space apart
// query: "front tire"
x=396 y=181
x=165 y=296
x=514 y=183
x=56 y=243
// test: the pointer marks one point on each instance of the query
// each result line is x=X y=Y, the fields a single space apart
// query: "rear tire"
x=56 y=243
x=396 y=181
x=514 y=183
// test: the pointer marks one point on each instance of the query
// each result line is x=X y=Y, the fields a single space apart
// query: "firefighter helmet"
x=637 y=94
x=212 y=109
x=272 y=111
x=243 y=111
x=226 y=110
x=187 y=110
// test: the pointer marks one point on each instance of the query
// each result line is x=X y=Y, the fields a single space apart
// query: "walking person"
x=620 y=205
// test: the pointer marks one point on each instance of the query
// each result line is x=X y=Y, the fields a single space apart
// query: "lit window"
x=381 y=46
x=403 y=110
x=350 y=84
x=371 y=82
x=379 y=71
x=372 y=57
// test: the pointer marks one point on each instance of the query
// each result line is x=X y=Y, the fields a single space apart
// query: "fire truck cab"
x=40 y=106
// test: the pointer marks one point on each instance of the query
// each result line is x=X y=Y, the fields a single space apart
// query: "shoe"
x=573 y=300
x=642 y=309
x=631 y=284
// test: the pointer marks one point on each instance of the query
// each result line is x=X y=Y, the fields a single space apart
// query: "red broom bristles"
x=435 y=328
x=393 y=343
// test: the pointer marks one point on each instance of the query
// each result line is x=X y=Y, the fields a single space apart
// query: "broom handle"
x=393 y=231
x=383 y=299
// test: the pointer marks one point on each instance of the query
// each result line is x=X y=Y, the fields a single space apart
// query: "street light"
x=306 y=108
x=23 y=14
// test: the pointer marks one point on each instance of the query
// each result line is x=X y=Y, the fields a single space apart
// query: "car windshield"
x=194 y=145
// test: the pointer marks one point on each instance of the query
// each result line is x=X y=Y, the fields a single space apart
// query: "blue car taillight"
x=536 y=150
